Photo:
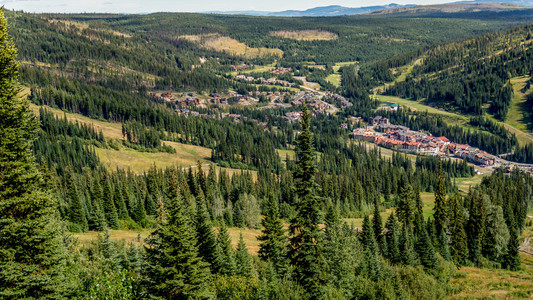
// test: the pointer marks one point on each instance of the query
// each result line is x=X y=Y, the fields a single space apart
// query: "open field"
x=475 y=283
x=128 y=236
x=82 y=26
x=420 y=106
x=334 y=79
x=464 y=184
x=516 y=116
x=138 y=162
x=306 y=35
x=231 y=46
x=110 y=129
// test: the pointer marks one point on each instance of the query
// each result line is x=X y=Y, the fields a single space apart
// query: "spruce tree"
x=97 y=220
x=459 y=246
x=511 y=259
x=475 y=226
x=32 y=252
x=207 y=240
x=440 y=214
x=174 y=268
x=110 y=210
x=228 y=265
x=273 y=240
x=243 y=259
x=425 y=251
x=76 y=211
x=377 y=222
x=405 y=208
x=306 y=249
x=393 y=234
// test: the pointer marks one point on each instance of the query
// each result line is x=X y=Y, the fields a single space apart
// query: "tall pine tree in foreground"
x=273 y=239
x=174 y=269
x=32 y=252
x=306 y=248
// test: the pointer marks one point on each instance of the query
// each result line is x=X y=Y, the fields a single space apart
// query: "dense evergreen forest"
x=52 y=183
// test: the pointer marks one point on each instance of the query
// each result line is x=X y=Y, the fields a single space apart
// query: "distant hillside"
x=323 y=11
x=471 y=76
x=453 y=8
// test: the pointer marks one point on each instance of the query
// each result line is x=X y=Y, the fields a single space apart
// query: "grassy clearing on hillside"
x=334 y=79
x=82 y=26
x=420 y=106
x=516 y=116
x=138 y=162
x=110 y=130
x=231 y=46
x=306 y=35
x=475 y=283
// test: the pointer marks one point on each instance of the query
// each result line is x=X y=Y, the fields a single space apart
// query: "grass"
x=138 y=162
x=128 y=236
x=284 y=154
x=111 y=130
x=116 y=235
x=421 y=106
x=231 y=46
x=306 y=35
x=476 y=283
x=334 y=79
x=464 y=184
x=516 y=116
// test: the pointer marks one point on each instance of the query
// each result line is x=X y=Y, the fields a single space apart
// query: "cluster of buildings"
x=401 y=138
x=344 y=103
x=241 y=67
x=270 y=96
x=297 y=115
x=310 y=99
x=184 y=99
x=281 y=70
x=261 y=80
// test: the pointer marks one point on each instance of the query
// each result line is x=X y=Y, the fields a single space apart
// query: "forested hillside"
x=471 y=76
x=416 y=227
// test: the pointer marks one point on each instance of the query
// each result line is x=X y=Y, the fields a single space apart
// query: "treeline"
x=62 y=145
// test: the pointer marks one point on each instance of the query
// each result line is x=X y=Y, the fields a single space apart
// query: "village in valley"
x=377 y=130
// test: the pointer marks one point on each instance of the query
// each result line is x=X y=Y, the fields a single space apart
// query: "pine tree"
x=377 y=222
x=207 y=240
x=440 y=214
x=228 y=265
x=475 y=230
x=273 y=240
x=405 y=208
x=76 y=211
x=32 y=252
x=97 y=220
x=393 y=233
x=306 y=237
x=459 y=246
x=242 y=259
x=425 y=251
x=139 y=213
x=408 y=253
x=110 y=209
x=511 y=260
x=174 y=269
